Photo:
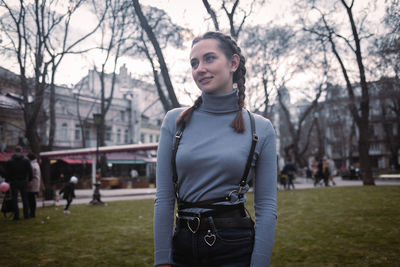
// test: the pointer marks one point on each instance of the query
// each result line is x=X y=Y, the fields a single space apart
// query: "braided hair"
x=229 y=47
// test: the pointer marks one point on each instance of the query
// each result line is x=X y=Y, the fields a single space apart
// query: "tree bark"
x=163 y=66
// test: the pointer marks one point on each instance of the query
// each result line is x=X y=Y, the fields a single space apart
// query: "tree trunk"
x=161 y=61
x=364 y=143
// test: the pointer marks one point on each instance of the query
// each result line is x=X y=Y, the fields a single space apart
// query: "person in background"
x=319 y=173
x=34 y=185
x=290 y=170
x=69 y=193
x=325 y=171
x=134 y=174
x=18 y=174
x=203 y=161
x=332 y=170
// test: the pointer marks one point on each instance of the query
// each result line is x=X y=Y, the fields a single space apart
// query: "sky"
x=187 y=13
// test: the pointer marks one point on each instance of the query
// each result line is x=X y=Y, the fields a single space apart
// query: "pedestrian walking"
x=332 y=170
x=34 y=185
x=319 y=173
x=68 y=193
x=325 y=171
x=212 y=146
x=18 y=174
x=290 y=171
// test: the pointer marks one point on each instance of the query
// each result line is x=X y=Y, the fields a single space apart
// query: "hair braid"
x=186 y=115
x=240 y=79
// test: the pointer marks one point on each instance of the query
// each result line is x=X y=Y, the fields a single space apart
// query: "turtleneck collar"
x=225 y=103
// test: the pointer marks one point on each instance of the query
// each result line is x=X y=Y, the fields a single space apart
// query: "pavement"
x=84 y=196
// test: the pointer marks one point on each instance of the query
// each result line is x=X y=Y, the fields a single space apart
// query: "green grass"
x=348 y=226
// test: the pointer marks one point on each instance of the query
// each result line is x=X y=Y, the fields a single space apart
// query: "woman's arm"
x=265 y=199
x=165 y=197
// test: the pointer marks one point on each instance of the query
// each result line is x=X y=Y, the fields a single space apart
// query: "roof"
x=101 y=150
x=8 y=102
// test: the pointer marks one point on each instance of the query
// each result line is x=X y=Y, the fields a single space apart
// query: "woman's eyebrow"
x=209 y=54
x=205 y=55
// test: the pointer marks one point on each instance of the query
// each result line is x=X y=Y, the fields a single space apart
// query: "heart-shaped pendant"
x=193 y=224
x=210 y=238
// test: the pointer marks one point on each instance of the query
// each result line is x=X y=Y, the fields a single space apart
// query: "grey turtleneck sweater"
x=210 y=161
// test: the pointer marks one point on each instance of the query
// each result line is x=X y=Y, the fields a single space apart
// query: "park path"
x=84 y=196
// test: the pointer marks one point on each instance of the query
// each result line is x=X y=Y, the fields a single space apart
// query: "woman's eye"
x=194 y=64
x=210 y=58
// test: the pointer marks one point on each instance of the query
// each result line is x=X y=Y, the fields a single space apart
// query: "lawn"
x=347 y=226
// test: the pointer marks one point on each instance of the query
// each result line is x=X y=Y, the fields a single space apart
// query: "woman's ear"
x=235 y=61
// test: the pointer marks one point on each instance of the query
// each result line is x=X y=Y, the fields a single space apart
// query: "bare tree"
x=231 y=8
x=167 y=34
x=329 y=33
x=113 y=36
x=387 y=90
x=269 y=51
x=389 y=44
x=38 y=34
x=58 y=50
x=158 y=51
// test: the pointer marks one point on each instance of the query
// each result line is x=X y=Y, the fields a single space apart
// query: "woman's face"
x=211 y=69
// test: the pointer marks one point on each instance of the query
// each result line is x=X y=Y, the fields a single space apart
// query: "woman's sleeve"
x=265 y=200
x=165 y=197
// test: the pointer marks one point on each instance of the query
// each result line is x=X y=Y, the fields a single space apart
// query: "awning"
x=76 y=161
x=126 y=161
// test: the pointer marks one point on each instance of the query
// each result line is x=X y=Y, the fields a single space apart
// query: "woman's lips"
x=205 y=80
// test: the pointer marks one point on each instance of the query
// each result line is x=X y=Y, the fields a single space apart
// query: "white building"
x=135 y=113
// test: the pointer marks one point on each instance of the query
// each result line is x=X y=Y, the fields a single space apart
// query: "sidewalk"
x=84 y=196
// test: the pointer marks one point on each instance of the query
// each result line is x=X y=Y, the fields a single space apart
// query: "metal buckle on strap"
x=240 y=189
x=178 y=134
x=255 y=138
x=230 y=195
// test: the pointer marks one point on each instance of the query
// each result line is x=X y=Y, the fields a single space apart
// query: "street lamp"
x=97 y=118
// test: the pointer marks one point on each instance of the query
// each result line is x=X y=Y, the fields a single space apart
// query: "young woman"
x=203 y=159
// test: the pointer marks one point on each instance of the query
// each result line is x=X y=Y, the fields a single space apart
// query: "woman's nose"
x=201 y=68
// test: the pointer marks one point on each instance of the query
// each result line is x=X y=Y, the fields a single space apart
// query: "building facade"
x=134 y=116
x=341 y=132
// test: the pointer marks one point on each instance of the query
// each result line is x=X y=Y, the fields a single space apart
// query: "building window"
x=157 y=138
x=122 y=115
x=108 y=133
x=64 y=131
x=77 y=132
x=119 y=136
x=142 y=138
x=126 y=141
x=151 y=138
x=87 y=133
x=371 y=131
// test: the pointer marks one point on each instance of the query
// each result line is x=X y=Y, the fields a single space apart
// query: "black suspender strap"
x=178 y=136
x=254 y=140
x=243 y=181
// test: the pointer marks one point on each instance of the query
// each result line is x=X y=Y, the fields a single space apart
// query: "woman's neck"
x=223 y=103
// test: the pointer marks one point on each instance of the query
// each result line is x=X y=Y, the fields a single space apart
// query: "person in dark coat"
x=18 y=174
x=290 y=170
x=69 y=193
